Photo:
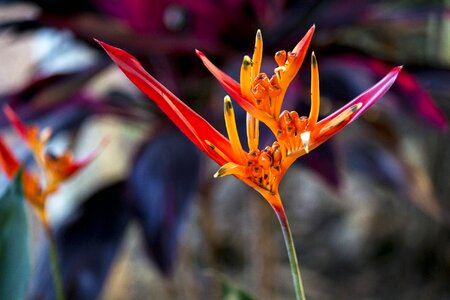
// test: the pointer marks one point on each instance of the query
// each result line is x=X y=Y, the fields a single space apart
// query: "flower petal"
x=16 y=122
x=300 y=52
x=189 y=122
x=8 y=162
x=73 y=167
x=234 y=89
x=352 y=110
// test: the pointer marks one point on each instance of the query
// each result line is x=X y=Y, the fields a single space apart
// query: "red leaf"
x=16 y=122
x=8 y=162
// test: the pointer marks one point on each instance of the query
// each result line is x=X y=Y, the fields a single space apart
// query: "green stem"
x=295 y=269
x=56 y=270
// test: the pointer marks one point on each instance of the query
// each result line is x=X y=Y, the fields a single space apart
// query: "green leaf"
x=14 y=255
x=230 y=291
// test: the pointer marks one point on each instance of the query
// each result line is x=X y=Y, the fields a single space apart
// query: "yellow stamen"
x=315 y=92
x=257 y=55
x=252 y=132
x=230 y=169
x=246 y=70
x=233 y=135
x=252 y=122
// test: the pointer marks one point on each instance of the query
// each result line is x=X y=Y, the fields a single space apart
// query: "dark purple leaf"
x=87 y=243
x=370 y=159
x=162 y=184
x=324 y=161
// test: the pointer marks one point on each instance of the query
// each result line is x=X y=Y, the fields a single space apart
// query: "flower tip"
x=8 y=110
x=228 y=106
x=396 y=71
x=15 y=121
x=199 y=53
x=247 y=61
x=311 y=30
x=313 y=58
x=305 y=41
x=101 y=43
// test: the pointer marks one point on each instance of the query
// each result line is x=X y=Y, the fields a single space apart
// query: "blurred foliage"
x=14 y=242
x=231 y=292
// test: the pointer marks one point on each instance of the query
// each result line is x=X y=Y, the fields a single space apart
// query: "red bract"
x=190 y=123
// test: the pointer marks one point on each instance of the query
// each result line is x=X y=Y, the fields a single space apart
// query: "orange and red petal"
x=8 y=162
x=234 y=89
x=73 y=167
x=189 y=122
x=300 y=52
x=16 y=122
x=352 y=110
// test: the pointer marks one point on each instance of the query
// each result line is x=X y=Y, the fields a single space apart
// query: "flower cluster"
x=55 y=168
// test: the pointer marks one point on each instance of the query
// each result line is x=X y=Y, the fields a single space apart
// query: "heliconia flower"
x=56 y=168
x=262 y=98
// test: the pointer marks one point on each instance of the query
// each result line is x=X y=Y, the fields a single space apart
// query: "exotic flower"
x=56 y=168
x=262 y=98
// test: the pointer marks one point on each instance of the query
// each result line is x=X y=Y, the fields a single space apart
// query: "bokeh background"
x=369 y=210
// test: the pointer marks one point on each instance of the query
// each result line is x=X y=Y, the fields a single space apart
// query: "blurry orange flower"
x=56 y=168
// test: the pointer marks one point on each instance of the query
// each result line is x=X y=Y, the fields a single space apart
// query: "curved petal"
x=17 y=123
x=77 y=165
x=352 y=110
x=300 y=52
x=189 y=122
x=8 y=162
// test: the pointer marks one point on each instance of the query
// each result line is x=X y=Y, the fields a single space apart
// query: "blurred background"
x=369 y=209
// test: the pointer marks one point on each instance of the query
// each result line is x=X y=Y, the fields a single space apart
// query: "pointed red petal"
x=16 y=122
x=352 y=110
x=83 y=162
x=189 y=122
x=303 y=45
x=8 y=162
x=300 y=52
x=234 y=89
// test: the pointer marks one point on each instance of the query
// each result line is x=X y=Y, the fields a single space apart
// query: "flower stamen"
x=230 y=123
x=315 y=92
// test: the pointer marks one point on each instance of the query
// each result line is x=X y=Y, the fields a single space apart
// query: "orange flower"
x=56 y=168
x=262 y=98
